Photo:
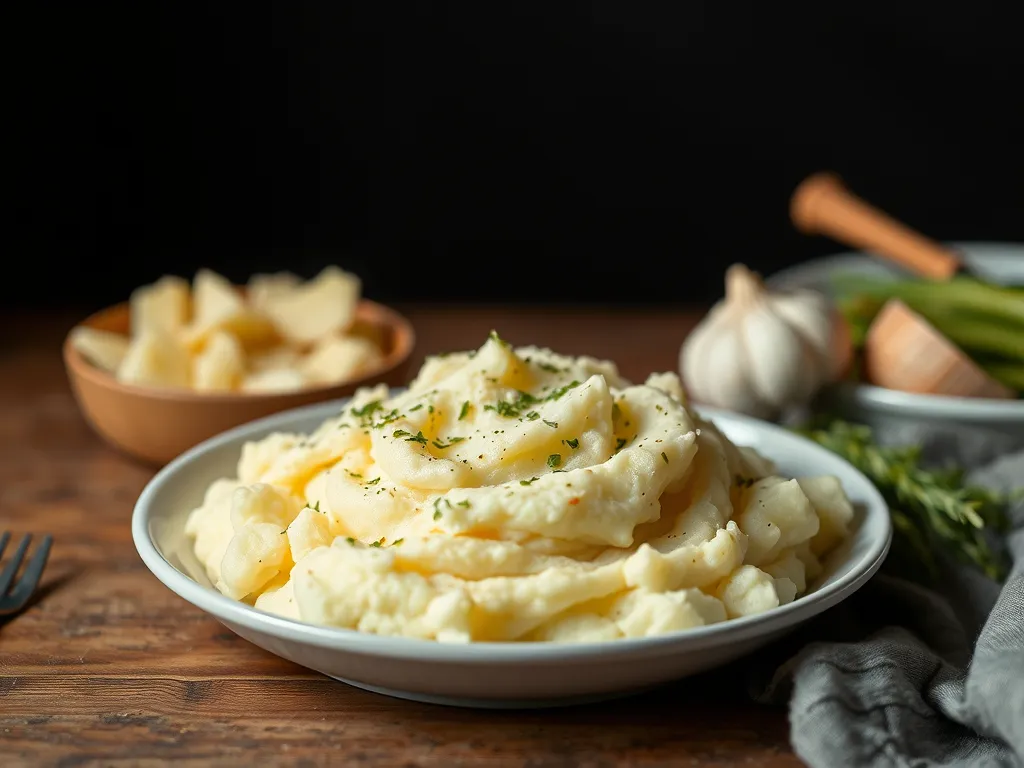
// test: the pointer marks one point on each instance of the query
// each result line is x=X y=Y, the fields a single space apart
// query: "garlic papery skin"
x=760 y=352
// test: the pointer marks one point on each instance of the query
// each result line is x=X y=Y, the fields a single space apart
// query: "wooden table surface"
x=109 y=668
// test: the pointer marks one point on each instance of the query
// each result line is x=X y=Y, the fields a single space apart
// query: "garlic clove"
x=777 y=358
x=759 y=352
x=804 y=312
x=695 y=352
x=811 y=315
x=728 y=385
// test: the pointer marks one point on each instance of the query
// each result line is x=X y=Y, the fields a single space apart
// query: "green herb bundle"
x=930 y=508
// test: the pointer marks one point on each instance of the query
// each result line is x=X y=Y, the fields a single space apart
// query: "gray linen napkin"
x=906 y=676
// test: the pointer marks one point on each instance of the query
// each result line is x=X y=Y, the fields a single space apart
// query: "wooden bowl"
x=155 y=425
x=903 y=351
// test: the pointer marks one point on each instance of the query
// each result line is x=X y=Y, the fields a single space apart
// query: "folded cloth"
x=902 y=675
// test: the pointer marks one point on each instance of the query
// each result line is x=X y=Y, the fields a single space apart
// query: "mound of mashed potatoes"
x=515 y=494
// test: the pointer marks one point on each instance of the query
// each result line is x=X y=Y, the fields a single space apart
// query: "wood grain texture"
x=109 y=668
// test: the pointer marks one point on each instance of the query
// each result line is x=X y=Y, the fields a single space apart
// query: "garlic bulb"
x=759 y=352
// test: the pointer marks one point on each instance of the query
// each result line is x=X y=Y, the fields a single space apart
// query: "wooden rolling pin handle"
x=822 y=205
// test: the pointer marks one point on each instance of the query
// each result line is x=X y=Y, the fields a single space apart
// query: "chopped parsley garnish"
x=549 y=368
x=373 y=482
x=377 y=543
x=367 y=410
x=664 y=457
x=527 y=482
x=315 y=507
x=620 y=443
x=388 y=417
x=464 y=410
x=493 y=336
x=562 y=390
x=744 y=482
x=616 y=411
x=354 y=474
x=396 y=542
x=552 y=424
x=554 y=460
x=366 y=413
x=572 y=442
x=525 y=400
x=437 y=507
x=504 y=408
x=451 y=441
x=416 y=407
x=463 y=503
x=430 y=409
x=350 y=540
x=409 y=437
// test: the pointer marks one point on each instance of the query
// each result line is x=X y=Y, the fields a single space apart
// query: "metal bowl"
x=973 y=430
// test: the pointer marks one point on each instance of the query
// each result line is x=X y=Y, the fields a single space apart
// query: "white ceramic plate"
x=997 y=426
x=497 y=674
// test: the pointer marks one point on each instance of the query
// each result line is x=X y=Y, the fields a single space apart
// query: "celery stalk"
x=979 y=318
x=975 y=334
x=998 y=303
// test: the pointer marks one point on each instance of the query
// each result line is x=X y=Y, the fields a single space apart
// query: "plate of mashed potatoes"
x=516 y=528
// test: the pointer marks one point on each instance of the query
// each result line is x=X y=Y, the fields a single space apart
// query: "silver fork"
x=14 y=595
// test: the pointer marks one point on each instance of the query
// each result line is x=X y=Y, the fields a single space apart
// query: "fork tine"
x=7 y=574
x=3 y=542
x=33 y=572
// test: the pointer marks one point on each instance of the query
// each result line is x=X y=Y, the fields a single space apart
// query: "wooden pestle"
x=822 y=205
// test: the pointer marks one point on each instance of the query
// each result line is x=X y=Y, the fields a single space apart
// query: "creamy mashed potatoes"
x=515 y=494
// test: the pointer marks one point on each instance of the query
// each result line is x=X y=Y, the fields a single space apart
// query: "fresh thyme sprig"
x=929 y=508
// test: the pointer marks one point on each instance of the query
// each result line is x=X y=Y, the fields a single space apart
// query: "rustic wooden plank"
x=110 y=668
x=389 y=738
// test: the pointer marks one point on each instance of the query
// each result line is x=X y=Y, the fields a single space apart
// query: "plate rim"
x=976 y=409
x=352 y=641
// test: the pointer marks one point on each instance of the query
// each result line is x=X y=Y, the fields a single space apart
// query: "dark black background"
x=611 y=151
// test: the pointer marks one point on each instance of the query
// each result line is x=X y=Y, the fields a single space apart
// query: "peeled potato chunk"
x=262 y=287
x=775 y=514
x=835 y=512
x=274 y=358
x=221 y=364
x=323 y=306
x=308 y=531
x=274 y=380
x=162 y=306
x=215 y=298
x=219 y=306
x=103 y=349
x=254 y=556
x=339 y=358
x=748 y=590
x=279 y=334
x=155 y=359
